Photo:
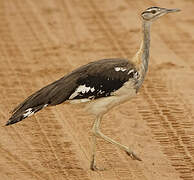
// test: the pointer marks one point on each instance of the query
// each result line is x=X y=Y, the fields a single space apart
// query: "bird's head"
x=154 y=13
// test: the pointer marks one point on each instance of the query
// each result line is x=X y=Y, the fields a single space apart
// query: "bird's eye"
x=153 y=11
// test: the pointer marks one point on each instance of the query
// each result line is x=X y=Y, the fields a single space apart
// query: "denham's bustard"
x=101 y=85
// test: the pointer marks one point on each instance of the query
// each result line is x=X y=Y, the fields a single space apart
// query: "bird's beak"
x=172 y=10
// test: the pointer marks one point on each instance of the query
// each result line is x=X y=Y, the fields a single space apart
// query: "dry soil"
x=42 y=40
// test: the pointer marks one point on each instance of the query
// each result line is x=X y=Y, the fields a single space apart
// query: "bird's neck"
x=141 y=58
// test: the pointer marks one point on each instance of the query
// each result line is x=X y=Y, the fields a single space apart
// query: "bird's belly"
x=102 y=105
x=128 y=89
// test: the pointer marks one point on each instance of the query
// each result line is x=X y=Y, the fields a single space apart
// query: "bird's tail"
x=20 y=115
x=50 y=95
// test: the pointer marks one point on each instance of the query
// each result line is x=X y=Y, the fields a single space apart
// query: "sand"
x=40 y=41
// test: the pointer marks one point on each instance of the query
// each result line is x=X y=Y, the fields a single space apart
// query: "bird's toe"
x=95 y=168
x=133 y=155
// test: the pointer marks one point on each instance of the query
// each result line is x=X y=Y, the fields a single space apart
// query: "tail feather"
x=18 y=116
x=31 y=105
x=52 y=94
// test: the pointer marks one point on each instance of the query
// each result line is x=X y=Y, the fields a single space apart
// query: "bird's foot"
x=133 y=155
x=93 y=167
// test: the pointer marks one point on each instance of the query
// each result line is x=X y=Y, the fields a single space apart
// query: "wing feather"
x=100 y=76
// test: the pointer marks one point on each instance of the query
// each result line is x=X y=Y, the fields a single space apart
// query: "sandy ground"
x=42 y=40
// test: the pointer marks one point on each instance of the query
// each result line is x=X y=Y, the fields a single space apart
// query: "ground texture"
x=40 y=41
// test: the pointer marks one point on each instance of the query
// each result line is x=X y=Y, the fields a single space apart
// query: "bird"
x=99 y=85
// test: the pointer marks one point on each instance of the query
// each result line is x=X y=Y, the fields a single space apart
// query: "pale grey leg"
x=93 y=160
x=96 y=132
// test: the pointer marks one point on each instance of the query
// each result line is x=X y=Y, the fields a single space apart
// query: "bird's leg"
x=125 y=148
x=93 y=160
x=97 y=132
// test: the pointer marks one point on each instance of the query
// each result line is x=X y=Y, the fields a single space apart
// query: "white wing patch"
x=28 y=112
x=101 y=92
x=45 y=105
x=81 y=89
x=120 y=69
x=130 y=71
x=92 y=89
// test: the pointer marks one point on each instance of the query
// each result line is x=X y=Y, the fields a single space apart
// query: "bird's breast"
x=128 y=89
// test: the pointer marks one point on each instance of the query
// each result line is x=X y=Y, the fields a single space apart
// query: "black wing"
x=100 y=78
x=103 y=78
